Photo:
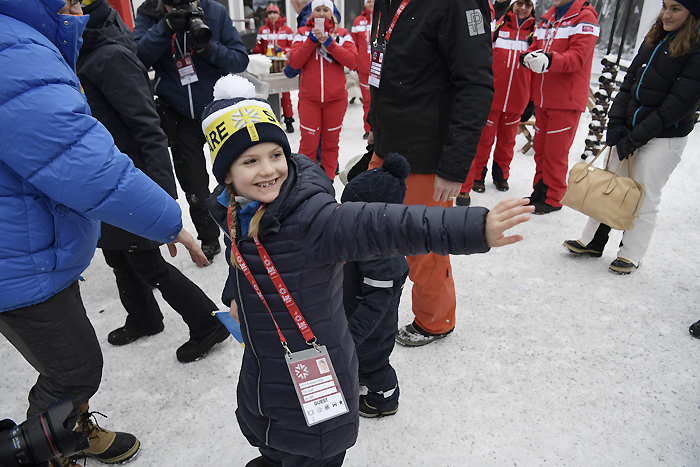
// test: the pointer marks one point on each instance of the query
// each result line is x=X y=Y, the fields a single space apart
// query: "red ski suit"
x=561 y=93
x=361 y=31
x=511 y=81
x=278 y=35
x=323 y=98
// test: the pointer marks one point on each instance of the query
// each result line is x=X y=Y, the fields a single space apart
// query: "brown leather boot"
x=106 y=446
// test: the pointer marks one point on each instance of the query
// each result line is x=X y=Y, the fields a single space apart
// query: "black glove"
x=624 y=148
x=201 y=46
x=175 y=21
x=528 y=112
x=615 y=133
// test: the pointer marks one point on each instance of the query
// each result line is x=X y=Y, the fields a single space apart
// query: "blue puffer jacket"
x=155 y=43
x=60 y=172
x=308 y=236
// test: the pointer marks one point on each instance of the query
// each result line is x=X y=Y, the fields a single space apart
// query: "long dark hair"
x=685 y=38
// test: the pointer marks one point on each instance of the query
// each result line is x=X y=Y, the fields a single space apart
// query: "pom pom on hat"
x=236 y=121
x=233 y=86
x=383 y=185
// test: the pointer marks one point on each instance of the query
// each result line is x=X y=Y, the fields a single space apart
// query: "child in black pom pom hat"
x=287 y=240
x=372 y=291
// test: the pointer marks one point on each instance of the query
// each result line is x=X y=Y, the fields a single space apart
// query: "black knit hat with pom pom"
x=383 y=185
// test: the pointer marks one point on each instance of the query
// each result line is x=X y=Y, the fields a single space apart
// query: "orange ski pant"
x=433 y=294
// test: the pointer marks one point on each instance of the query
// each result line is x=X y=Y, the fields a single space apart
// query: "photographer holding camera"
x=190 y=44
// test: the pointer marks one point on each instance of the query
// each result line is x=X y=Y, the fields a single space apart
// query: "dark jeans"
x=186 y=141
x=138 y=272
x=58 y=340
x=284 y=459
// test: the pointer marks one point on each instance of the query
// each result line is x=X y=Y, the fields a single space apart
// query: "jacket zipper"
x=257 y=359
x=648 y=64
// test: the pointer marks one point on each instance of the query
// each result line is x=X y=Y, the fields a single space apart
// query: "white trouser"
x=652 y=165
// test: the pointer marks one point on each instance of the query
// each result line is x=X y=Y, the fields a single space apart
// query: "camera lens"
x=40 y=438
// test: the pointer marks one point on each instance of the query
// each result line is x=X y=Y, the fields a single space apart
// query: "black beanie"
x=692 y=5
x=383 y=185
x=236 y=121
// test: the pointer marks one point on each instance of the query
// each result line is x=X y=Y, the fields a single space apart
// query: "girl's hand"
x=321 y=36
x=234 y=311
x=508 y=213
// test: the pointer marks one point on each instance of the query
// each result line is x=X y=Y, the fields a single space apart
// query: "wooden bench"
x=528 y=133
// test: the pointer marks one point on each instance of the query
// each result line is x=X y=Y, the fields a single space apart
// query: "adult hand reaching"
x=507 y=214
x=445 y=190
x=193 y=248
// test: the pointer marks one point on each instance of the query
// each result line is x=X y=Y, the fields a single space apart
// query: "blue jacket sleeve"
x=229 y=53
x=66 y=154
x=152 y=39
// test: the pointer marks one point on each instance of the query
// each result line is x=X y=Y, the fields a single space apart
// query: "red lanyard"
x=548 y=41
x=400 y=10
x=279 y=285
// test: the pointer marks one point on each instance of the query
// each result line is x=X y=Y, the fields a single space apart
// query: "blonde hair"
x=682 y=42
x=254 y=222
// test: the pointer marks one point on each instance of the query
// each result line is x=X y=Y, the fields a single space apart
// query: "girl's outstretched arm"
x=508 y=213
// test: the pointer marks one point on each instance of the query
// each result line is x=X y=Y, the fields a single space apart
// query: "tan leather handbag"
x=603 y=195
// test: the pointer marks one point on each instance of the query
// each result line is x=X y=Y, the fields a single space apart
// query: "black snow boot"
x=288 y=122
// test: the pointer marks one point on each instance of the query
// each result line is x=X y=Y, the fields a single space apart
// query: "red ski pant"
x=554 y=134
x=322 y=118
x=364 y=88
x=503 y=127
x=433 y=294
x=287 y=109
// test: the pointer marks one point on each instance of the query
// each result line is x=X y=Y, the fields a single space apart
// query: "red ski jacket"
x=278 y=34
x=511 y=80
x=322 y=68
x=361 y=31
x=571 y=41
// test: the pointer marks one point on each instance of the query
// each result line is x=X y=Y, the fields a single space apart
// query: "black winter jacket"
x=308 y=236
x=118 y=91
x=659 y=95
x=436 y=85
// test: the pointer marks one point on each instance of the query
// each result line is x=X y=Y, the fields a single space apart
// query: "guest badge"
x=316 y=384
x=375 y=68
x=185 y=68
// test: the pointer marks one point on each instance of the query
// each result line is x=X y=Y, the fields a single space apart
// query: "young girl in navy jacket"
x=287 y=240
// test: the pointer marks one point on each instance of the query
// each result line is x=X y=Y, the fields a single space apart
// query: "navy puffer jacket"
x=308 y=236
x=659 y=95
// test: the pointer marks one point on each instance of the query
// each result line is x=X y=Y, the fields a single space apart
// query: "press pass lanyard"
x=314 y=378
x=279 y=285
x=378 y=50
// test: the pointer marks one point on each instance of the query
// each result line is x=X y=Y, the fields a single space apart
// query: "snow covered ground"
x=554 y=361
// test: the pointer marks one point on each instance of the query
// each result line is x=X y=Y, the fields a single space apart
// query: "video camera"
x=40 y=439
x=194 y=16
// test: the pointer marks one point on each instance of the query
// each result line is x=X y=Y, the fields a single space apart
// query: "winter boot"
x=211 y=248
x=694 y=330
x=413 y=335
x=498 y=179
x=106 y=446
x=369 y=411
x=622 y=266
x=479 y=186
x=463 y=199
x=194 y=349
x=579 y=249
x=288 y=122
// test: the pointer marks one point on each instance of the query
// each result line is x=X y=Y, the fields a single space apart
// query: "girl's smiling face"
x=673 y=15
x=259 y=172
